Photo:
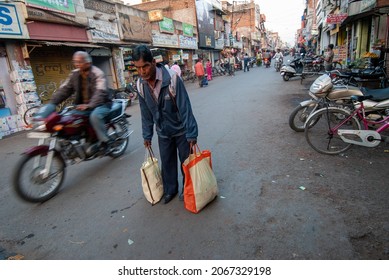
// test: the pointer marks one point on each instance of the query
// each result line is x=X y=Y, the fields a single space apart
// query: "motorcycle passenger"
x=88 y=83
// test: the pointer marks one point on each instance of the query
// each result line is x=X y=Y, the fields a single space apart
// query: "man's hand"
x=82 y=107
x=147 y=143
x=192 y=142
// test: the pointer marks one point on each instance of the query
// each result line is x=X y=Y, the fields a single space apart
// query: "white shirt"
x=176 y=68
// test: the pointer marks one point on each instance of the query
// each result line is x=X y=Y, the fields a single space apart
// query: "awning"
x=67 y=44
x=356 y=17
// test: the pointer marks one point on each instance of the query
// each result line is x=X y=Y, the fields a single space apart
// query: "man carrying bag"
x=164 y=102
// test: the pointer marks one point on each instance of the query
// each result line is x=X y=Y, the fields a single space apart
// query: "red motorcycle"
x=64 y=139
x=266 y=61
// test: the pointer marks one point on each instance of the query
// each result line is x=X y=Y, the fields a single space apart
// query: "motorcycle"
x=252 y=61
x=129 y=92
x=293 y=69
x=331 y=92
x=65 y=138
x=278 y=63
x=266 y=61
x=218 y=70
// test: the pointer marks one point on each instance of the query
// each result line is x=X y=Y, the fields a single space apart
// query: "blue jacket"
x=170 y=118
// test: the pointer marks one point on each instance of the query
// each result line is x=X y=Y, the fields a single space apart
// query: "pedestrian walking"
x=199 y=71
x=329 y=57
x=165 y=103
x=176 y=68
x=208 y=66
x=246 y=62
x=231 y=60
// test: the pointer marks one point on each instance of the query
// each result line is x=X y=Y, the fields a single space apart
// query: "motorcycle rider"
x=88 y=83
x=267 y=56
x=278 y=56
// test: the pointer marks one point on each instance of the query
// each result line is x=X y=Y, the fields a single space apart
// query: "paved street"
x=261 y=211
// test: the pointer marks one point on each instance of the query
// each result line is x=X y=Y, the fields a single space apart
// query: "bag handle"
x=149 y=152
x=194 y=148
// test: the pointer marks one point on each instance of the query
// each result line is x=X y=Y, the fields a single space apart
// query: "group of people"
x=164 y=104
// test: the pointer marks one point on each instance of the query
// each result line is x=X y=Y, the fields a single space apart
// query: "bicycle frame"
x=365 y=137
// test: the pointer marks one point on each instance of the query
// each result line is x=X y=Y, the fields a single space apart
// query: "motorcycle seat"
x=116 y=111
x=378 y=95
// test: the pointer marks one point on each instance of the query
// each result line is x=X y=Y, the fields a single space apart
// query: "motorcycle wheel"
x=299 y=116
x=28 y=182
x=285 y=77
x=119 y=145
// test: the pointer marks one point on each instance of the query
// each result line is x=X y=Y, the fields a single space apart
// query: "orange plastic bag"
x=200 y=185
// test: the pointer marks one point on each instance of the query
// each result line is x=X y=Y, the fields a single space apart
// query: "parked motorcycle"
x=129 y=92
x=293 y=69
x=65 y=138
x=377 y=75
x=331 y=92
x=322 y=92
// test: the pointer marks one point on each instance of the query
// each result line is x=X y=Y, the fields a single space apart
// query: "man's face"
x=80 y=63
x=146 y=69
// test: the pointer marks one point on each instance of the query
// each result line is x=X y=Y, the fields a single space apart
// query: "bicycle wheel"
x=29 y=114
x=323 y=137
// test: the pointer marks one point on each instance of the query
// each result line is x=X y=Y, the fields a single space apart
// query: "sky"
x=282 y=16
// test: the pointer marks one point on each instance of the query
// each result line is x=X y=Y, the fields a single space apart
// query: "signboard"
x=12 y=22
x=134 y=28
x=61 y=6
x=158 y=58
x=155 y=15
x=187 y=29
x=103 y=30
x=166 y=25
x=336 y=18
x=164 y=40
x=187 y=42
x=367 y=4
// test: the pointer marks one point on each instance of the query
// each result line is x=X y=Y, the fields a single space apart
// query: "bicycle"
x=333 y=130
x=189 y=75
x=31 y=111
x=44 y=96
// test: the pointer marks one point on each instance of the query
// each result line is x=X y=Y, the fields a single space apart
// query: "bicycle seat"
x=378 y=95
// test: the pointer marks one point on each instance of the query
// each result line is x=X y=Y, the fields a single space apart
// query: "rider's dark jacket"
x=97 y=88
